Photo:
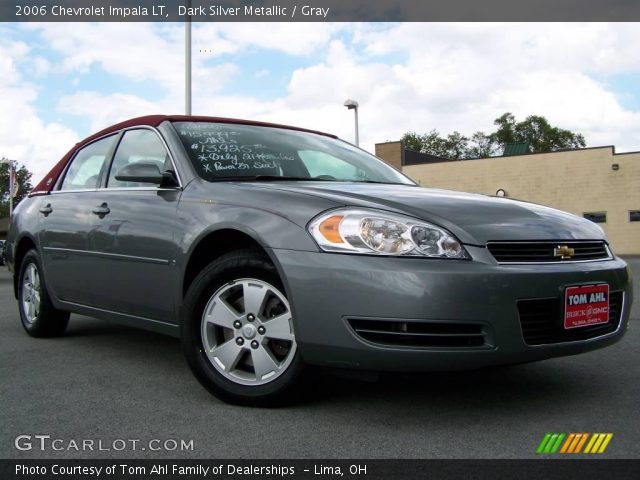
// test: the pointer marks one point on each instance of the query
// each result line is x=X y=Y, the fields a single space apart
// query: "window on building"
x=634 y=215
x=596 y=217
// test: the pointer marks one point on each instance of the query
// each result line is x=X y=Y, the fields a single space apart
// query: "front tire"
x=237 y=331
x=38 y=315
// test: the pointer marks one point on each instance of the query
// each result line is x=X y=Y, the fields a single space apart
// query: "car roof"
x=49 y=180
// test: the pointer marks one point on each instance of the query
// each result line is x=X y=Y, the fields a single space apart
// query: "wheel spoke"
x=222 y=315
x=228 y=354
x=254 y=295
x=279 y=328
x=36 y=281
x=30 y=274
x=30 y=309
x=263 y=363
x=36 y=298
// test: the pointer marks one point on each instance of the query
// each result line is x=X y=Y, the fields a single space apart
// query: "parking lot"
x=104 y=382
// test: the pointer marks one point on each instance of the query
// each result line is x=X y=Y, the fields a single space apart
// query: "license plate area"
x=586 y=305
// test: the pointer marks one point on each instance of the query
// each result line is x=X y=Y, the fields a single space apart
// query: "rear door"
x=133 y=237
x=66 y=218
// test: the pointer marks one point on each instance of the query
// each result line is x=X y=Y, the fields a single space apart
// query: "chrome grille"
x=548 y=251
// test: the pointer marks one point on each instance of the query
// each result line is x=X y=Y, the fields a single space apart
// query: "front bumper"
x=327 y=289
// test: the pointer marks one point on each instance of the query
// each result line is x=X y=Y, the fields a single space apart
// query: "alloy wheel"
x=247 y=332
x=31 y=293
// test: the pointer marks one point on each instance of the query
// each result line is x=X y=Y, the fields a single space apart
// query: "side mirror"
x=142 y=172
x=169 y=179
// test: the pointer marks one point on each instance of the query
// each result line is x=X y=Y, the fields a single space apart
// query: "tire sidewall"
x=208 y=282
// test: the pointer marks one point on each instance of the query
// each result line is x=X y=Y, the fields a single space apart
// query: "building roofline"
x=611 y=147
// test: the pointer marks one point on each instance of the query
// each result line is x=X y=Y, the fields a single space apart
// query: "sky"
x=62 y=82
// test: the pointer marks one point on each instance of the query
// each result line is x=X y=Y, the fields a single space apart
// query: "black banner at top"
x=319 y=10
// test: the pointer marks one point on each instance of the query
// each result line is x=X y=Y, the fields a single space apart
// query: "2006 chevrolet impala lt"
x=266 y=248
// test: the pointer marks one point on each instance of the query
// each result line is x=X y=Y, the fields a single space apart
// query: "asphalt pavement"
x=111 y=384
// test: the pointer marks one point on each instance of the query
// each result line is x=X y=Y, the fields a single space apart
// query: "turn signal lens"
x=330 y=228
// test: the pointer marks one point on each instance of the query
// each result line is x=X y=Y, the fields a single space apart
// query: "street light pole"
x=353 y=105
x=355 y=111
x=187 y=61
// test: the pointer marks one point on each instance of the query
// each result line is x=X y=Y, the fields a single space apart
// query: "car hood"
x=474 y=219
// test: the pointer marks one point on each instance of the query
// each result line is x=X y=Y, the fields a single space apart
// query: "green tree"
x=481 y=146
x=23 y=178
x=453 y=145
x=535 y=130
x=506 y=130
x=414 y=142
x=457 y=145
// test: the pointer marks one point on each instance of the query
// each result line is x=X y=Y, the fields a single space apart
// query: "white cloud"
x=134 y=51
x=298 y=39
x=40 y=67
x=24 y=136
x=462 y=76
x=105 y=110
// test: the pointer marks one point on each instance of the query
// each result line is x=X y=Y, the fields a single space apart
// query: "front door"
x=133 y=236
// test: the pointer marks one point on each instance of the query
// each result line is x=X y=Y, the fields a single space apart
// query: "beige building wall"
x=576 y=181
x=390 y=152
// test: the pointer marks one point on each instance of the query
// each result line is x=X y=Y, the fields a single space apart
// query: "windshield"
x=221 y=151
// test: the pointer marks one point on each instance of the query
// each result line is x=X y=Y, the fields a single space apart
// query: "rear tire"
x=38 y=315
x=237 y=332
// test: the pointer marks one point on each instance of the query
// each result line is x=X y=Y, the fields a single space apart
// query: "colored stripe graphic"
x=607 y=439
x=543 y=443
x=573 y=443
x=567 y=442
x=556 y=446
x=578 y=439
x=550 y=443
x=581 y=443
x=598 y=443
x=592 y=441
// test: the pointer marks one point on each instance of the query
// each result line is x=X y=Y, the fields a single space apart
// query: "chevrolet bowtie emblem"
x=563 y=252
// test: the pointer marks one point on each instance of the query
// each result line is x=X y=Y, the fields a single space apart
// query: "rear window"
x=86 y=167
x=222 y=151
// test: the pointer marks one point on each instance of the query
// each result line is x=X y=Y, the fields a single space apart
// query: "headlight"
x=375 y=232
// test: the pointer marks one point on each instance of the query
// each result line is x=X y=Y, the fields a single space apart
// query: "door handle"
x=101 y=210
x=46 y=210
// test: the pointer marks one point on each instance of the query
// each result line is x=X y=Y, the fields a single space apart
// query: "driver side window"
x=137 y=146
